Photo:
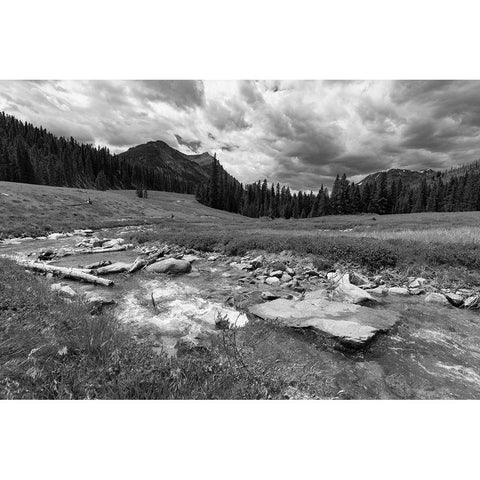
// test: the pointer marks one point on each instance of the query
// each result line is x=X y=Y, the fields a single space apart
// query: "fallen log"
x=141 y=262
x=74 y=273
x=101 y=249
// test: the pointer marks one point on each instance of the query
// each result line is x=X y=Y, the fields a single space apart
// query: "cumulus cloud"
x=298 y=132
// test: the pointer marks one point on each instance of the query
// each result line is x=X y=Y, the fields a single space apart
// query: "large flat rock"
x=350 y=324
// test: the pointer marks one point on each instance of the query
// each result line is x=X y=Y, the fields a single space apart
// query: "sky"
x=300 y=133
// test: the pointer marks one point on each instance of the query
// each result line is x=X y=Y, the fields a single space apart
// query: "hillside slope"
x=38 y=209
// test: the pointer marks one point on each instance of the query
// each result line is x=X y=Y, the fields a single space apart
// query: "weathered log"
x=141 y=262
x=74 y=273
x=100 y=249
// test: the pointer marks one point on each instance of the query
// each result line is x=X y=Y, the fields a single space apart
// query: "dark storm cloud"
x=184 y=94
x=194 y=145
x=298 y=132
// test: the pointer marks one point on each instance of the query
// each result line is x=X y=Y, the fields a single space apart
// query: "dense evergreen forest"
x=30 y=154
x=449 y=191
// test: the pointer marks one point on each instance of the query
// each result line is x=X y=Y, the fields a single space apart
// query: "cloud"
x=194 y=145
x=298 y=132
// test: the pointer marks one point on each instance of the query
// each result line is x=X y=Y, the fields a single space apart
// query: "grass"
x=50 y=349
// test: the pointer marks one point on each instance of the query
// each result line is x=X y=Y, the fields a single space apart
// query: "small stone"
x=417 y=283
x=290 y=271
x=257 y=261
x=416 y=291
x=437 y=299
x=272 y=281
x=268 y=296
x=63 y=289
x=276 y=273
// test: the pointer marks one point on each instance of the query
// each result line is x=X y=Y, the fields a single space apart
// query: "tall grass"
x=50 y=349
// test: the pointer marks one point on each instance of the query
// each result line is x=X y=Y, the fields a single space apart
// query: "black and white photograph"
x=293 y=244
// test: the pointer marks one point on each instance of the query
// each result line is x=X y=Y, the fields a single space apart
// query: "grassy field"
x=374 y=241
x=33 y=210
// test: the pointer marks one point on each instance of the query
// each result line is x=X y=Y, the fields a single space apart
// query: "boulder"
x=272 y=281
x=344 y=291
x=116 y=267
x=63 y=290
x=455 y=299
x=286 y=278
x=398 y=291
x=351 y=325
x=170 y=265
x=437 y=299
x=276 y=273
x=114 y=242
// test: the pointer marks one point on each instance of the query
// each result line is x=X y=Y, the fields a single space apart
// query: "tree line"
x=30 y=154
x=446 y=192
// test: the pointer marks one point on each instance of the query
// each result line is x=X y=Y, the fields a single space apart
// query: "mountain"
x=163 y=158
x=408 y=177
x=31 y=154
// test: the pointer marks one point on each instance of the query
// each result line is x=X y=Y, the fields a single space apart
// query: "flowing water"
x=434 y=352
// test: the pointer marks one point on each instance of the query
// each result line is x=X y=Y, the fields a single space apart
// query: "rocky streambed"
x=334 y=334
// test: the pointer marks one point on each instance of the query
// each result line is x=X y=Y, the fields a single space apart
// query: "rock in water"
x=351 y=325
x=455 y=299
x=170 y=265
x=398 y=291
x=437 y=298
x=268 y=296
x=472 y=302
x=344 y=291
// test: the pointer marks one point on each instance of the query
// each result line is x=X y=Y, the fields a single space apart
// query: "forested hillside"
x=30 y=154
x=447 y=191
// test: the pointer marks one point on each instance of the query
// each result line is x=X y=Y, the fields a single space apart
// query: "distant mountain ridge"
x=166 y=159
x=408 y=177
x=414 y=177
